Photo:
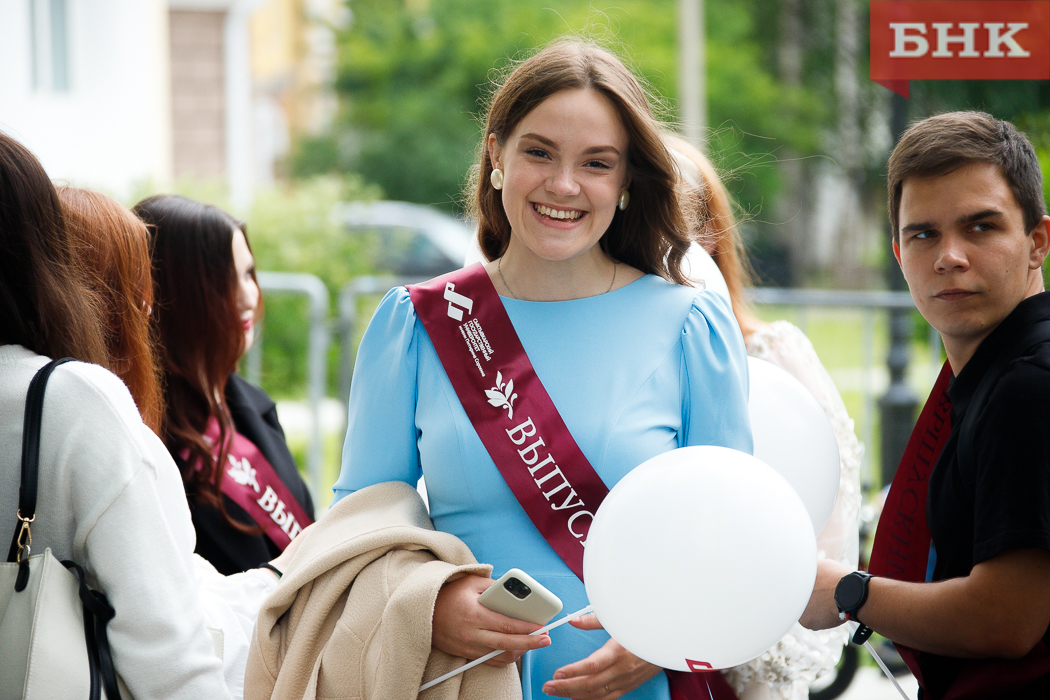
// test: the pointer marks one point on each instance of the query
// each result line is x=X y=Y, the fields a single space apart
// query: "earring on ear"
x=496 y=179
x=625 y=199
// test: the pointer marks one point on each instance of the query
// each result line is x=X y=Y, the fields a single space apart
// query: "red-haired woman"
x=113 y=246
x=247 y=498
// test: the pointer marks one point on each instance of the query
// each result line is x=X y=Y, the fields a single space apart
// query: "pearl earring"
x=497 y=179
x=625 y=198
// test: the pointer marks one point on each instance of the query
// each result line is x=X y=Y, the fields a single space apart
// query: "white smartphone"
x=518 y=595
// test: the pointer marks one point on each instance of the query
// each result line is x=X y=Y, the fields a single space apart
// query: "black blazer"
x=229 y=550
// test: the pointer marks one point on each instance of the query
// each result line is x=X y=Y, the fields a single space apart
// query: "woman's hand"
x=464 y=627
x=607 y=674
x=822 y=612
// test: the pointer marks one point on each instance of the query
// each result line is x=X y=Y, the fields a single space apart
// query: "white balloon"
x=702 y=557
x=700 y=267
x=792 y=434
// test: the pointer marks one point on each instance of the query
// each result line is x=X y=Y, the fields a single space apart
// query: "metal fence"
x=869 y=303
x=311 y=287
x=347 y=324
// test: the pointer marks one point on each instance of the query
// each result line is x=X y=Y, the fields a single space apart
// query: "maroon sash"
x=902 y=547
x=520 y=426
x=252 y=483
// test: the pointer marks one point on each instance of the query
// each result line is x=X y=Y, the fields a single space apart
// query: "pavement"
x=296 y=417
x=871 y=684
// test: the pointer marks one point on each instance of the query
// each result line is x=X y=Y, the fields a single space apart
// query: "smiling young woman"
x=583 y=225
x=572 y=131
x=564 y=169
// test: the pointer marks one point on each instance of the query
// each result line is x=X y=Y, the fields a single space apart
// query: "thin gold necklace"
x=499 y=269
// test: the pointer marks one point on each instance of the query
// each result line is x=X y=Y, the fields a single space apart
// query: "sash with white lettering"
x=902 y=547
x=521 y=428
x=902 y=540
x=252 y=483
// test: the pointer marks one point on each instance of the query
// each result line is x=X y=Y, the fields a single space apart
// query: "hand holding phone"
x=518 y=595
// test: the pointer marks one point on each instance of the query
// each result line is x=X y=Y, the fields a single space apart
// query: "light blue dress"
x=635 y=372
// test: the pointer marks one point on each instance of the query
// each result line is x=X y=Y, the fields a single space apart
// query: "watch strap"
x=849 y=610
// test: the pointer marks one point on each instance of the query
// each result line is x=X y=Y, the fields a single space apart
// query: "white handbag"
x=53 y=640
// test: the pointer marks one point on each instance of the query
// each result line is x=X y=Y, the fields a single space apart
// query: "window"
x=49 y=33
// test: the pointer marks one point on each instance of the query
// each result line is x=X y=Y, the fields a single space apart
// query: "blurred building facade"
x=112 y=94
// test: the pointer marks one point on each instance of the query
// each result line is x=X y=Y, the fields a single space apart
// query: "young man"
x=973 y=611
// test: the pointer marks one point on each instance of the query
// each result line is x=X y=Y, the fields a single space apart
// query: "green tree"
x=413 y=76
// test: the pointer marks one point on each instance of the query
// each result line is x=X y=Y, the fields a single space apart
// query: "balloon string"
x=871 y=650
x=466 y=667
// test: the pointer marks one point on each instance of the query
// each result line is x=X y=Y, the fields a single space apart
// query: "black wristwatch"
x=850 y=594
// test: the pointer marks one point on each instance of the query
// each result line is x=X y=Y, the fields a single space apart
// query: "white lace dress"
x=785 y=671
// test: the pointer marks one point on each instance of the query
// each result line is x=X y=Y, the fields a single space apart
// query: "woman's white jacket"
x=111 y=499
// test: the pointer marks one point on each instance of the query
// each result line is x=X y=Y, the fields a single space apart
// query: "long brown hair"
x=716 y=229
x=198 y=330
x=46 y=304
x=113 y=244
x=652 y=234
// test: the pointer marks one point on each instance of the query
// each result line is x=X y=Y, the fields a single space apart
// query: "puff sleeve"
x=714 y=377
x=381 y=433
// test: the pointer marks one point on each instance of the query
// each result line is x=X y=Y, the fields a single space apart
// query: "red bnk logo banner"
x=959 y=40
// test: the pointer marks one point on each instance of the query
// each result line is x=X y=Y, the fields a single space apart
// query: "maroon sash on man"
x=252 y=483
x=520 y=426
x=902 y=547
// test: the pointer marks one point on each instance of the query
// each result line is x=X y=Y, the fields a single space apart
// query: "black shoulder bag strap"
x=1037 y=333
x=27 y=488
x=97 y=610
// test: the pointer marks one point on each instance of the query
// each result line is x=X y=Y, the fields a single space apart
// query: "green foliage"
x=1013 y=100
x=414 y=75
x=1036 y=126
x=313 y=155
x=292 y=230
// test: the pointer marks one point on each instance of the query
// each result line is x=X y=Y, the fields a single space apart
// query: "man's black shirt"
x=999 y=497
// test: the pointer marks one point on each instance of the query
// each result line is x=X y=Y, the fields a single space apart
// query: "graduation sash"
x=521 y=428
x=252 y=483
x=902 y=540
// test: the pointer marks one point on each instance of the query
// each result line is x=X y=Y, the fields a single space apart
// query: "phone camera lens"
x=517 y=589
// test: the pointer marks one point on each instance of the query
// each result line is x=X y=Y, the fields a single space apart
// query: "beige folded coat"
x=352 y=616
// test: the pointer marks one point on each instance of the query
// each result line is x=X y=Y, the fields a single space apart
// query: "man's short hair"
x=944 y=143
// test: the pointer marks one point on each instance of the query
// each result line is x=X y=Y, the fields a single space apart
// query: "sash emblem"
x=502 y=395
x=455 y=301
x=241 y=472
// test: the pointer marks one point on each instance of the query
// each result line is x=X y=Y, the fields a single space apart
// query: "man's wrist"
x=851 y=594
